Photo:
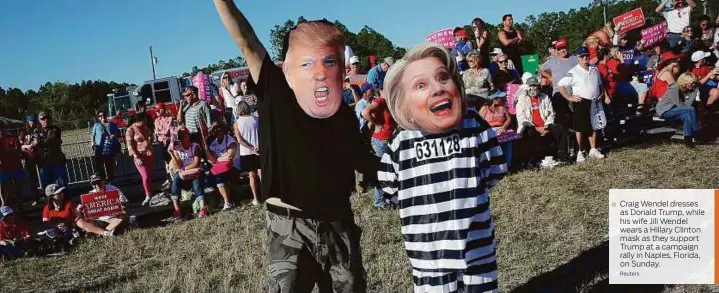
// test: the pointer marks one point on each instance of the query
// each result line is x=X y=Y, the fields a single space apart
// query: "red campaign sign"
x=631 y=20
x=358 y=79
x=101 y=204
x=444 y=37
x=654 y=34
x=239 y=75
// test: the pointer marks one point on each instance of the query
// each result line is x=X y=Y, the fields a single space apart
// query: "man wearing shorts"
x=582 y=86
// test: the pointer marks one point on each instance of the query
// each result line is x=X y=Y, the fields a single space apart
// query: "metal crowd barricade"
x=80 y=163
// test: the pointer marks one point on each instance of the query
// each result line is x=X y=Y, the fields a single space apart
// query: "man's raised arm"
x=241 y=31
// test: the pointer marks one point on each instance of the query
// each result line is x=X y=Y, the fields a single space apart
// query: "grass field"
x=551 y=229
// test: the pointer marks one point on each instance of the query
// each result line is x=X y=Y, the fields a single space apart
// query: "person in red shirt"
x=378 y=114
x=15 y=231
x=607 y=75
x=11 y=169
x=535 y=122
x=59 y=213
x=707 y=78
x=668 y=70
x=621 y=84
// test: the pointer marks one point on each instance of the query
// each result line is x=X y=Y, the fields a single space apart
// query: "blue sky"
x=72 y=40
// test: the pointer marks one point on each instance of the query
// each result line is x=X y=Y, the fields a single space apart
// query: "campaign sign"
x=239 y=75
x=530 y=63
x=101 y=204
x=631 y=20
x=358 y=79
x=202 y=83
x=511 y=90
x=654 y=34
x=444 y=37
x=507 y=136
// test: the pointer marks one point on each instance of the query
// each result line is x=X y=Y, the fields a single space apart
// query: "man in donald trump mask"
x=309 y=147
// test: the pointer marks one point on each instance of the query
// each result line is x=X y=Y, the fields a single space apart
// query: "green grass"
x=545 y=220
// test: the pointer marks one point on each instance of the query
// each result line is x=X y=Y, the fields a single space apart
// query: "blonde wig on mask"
x=394 y=91
x=317 y=34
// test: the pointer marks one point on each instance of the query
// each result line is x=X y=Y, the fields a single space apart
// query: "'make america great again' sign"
x=101 y=204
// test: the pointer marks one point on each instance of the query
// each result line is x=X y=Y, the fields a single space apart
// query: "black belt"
x=305 y=215
x=286 y=211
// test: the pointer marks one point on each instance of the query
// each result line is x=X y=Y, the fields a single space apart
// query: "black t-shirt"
x=49 y=146
x=307 y=162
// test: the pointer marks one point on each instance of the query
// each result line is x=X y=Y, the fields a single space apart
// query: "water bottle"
x=133 y=221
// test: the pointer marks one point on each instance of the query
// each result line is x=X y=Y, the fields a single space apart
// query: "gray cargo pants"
x=304 y=252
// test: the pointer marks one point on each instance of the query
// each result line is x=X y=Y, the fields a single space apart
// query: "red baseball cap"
x=668 y=57
x=560 y=44
x=461 y=33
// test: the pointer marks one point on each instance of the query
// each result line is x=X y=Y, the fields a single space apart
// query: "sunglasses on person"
x=44 y=118
x=188 y=95
x=583 y=56
x=502 y=61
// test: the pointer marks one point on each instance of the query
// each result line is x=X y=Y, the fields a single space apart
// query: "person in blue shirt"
x=375 y=76
x=462 y=48
x=105 y=144
x=349 y=93
x=368 y=92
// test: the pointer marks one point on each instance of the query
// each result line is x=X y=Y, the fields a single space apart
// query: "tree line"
x=67 y=102
x=71 y=102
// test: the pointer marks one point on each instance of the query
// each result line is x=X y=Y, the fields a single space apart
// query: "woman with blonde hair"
x=477 y=81
x=677 y=104
x=439 y=167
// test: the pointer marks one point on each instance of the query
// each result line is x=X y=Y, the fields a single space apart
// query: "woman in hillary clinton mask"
x=435 y=154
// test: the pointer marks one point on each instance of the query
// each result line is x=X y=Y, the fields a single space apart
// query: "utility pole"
x=604 y=10
x=153 y=60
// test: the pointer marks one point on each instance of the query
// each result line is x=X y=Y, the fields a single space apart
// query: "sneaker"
x=202 y=213
x=177 y=214
x=381 y=206
x=146 y=201
x=227 y=206
x=166 y=185
x=594 y=153
x=548 y=163
x=580 y=157
x=255 y=202
x=110 y=233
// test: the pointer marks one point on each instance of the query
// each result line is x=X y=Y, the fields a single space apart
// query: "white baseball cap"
x=354 y=59
x=699 y=55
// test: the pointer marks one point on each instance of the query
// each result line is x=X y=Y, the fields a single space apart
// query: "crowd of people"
x=417 y=130
x=208 y=144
